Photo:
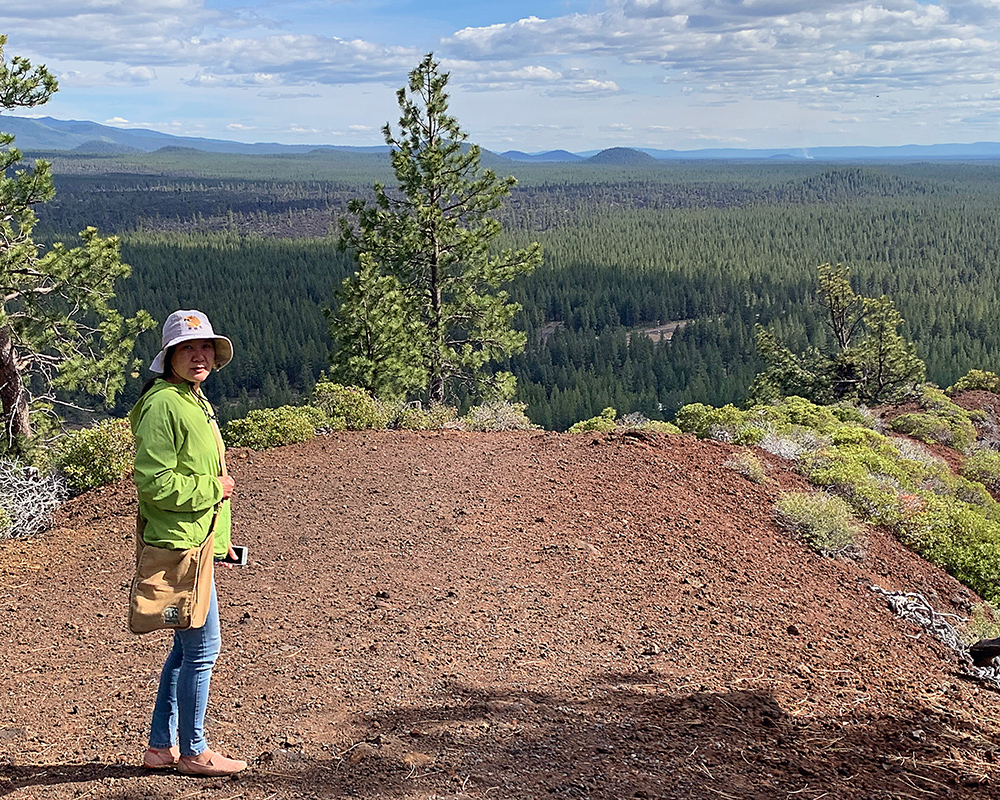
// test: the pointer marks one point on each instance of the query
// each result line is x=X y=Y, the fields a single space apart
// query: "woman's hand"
x=231 y=557
x=228 y=484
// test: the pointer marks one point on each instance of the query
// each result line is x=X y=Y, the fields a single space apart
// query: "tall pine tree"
x=380 y=334
x=871 y=363
x=433 y=235
x=58 y=330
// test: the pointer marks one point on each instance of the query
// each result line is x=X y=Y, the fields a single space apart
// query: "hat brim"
x=223 y=352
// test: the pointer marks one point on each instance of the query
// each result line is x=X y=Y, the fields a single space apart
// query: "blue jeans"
x=179 y=712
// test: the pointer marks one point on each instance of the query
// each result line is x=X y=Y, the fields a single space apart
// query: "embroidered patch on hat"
x=192 y=322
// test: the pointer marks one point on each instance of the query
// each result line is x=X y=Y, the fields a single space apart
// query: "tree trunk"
x=435 y=325
x=13 y=398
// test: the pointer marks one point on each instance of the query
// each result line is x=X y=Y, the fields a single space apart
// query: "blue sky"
x=528 y=74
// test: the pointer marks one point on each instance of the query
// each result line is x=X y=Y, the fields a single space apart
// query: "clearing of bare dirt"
x=520 y=615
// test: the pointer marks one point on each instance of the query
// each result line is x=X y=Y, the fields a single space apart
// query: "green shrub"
x=604 y=423
x=659 y=426
x=822 y=521
x=96 y=456
x=637 y=421
x=983 y=624
x=499 y=416
x=853 y=435
x=761 y=422
x=959 y=537
x=348 y=407
x=976 y=379
x=869 y=473
x=264 y=428
x=853 y=415
x=951 y=520
x=799 y=411
x=872 y=495
x=414 y=417
x=983 y=466
x=703 y=421
x=925 y=427
x=933 y=428
x=941 y=421
x=749 y=466
x=967 y=491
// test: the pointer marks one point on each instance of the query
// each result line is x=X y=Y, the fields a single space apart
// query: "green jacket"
x=176 y=469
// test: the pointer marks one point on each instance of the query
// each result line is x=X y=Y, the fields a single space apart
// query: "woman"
x=183 y=489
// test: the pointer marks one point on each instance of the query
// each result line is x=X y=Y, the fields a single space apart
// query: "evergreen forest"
x=695 y=251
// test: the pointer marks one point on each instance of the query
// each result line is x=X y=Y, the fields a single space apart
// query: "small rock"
x=415 y=759
x=361 y=752
x=793 y=630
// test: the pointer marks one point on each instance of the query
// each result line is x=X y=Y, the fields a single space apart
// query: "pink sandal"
x=161 y=758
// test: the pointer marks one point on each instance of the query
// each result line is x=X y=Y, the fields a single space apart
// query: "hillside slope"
x=457 y=615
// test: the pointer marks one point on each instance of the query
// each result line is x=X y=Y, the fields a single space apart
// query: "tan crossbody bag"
x=172 y=589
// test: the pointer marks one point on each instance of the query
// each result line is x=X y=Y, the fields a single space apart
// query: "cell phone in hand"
x=241 y=556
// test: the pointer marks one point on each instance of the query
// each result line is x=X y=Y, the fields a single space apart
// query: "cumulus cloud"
x=762 y=48
x=827 y=57
x=297 y=60
x=144 y=34
x=137 y=76
x=595 y=87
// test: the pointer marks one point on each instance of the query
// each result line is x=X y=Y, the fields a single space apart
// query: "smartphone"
x=241 y=556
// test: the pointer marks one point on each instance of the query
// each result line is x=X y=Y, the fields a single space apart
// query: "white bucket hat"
x=183 y=325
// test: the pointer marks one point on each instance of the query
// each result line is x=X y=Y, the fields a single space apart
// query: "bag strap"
x=215 y=431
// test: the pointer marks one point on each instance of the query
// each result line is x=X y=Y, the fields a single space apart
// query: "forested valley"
x=705 y=250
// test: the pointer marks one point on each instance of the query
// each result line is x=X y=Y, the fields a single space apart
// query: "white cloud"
x=288 y=95
x=814 y=66
x=759 y=48
x=595 y=87
x=138 y=76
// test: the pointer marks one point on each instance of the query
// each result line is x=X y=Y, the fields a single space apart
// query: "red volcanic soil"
x=519 y=615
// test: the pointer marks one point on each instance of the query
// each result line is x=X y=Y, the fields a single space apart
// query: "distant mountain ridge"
x=548 y=155
x=49 y=134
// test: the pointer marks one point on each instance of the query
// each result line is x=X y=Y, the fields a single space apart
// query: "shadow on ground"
x=628 y=737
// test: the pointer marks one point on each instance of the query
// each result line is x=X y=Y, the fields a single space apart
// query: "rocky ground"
x=529 y=615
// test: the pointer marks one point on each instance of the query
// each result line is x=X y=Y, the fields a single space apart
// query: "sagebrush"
x=821 y=520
